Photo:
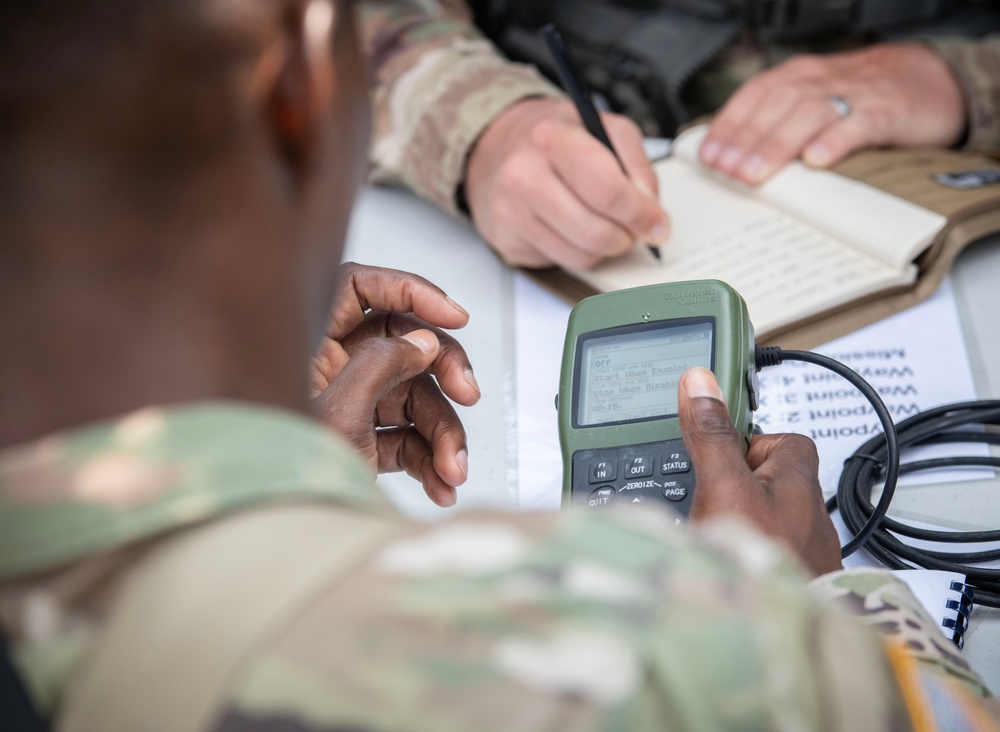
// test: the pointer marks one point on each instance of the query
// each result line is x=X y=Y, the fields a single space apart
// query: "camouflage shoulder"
x=97 y=488
x=885 y=603
x=574 y=622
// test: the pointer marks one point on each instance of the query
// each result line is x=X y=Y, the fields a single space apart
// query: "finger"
x=451 y=366
x=711 y=441
x=787 y=138
x=405 y=449
x=328 y=361
x=833 y=144
x=726 y=124
x=627 y=139
x=376 y=288
x=583 y=229
x=422 y=403
x=375 y=368
x=544 y=218
x=595 y=176
x=538 y=236
x=782 y=457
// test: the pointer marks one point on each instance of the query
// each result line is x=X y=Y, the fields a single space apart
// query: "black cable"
x=772 y=355
x=878 y=459
x=939 y=425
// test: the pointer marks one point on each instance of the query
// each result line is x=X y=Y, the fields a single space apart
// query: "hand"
x=374 y=376
x=775 y=487
x=901 y=95
x=543 y=191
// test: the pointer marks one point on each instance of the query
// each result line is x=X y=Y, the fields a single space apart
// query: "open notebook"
x=810 y=250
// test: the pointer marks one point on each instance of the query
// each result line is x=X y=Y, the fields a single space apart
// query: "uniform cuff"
x=471 y=91
x=975 y=66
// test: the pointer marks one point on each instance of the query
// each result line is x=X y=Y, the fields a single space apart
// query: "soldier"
x=182 y=547
x=540 y=192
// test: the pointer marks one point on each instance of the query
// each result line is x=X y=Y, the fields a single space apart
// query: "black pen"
x=580 y=94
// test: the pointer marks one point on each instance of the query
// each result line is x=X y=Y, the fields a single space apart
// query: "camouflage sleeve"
x=883 y=602
x=583 y=624
x=437 y=84
x=976 y=64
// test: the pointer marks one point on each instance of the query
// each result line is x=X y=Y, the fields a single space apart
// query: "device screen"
x=630 y=374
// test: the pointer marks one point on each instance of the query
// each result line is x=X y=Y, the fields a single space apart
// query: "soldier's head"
x=190 y=162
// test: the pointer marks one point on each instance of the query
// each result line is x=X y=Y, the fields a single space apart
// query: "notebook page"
x=785 y=269
x=885 y=226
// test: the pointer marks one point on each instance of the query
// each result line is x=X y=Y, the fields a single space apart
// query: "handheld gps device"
x=624 y=354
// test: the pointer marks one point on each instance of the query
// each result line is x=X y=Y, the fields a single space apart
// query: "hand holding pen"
x=580 y=95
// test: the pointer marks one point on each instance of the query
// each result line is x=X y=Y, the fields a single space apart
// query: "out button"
x=640 y=466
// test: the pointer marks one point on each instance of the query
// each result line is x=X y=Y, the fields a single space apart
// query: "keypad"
x=658 y=472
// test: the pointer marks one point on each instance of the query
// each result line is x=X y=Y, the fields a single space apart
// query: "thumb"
x=710 y=439
x=375 y=368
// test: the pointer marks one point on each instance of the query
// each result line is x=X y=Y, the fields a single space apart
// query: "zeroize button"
x=674 y=490
x=601 y=497
x=601 y=471
x=640 y=466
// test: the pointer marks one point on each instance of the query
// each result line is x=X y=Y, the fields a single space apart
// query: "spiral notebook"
x=945 y=596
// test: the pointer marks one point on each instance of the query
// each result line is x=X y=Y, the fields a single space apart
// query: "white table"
x=395 y=229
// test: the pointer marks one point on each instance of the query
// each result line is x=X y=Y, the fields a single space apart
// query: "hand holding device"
x=623 y=357
x=775 y=487
x=383 y=375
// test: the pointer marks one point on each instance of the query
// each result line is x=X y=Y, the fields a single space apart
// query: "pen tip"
x=655 y=251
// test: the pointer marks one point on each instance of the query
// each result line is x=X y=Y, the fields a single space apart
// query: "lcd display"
x=630 y=374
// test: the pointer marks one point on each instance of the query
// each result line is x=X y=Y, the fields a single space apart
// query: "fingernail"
x=710 y=151
x=446 y=498
x=422 y=339
x=700 y=382
x=754 y=169
x=471 y=378
x=462 y=461
x=659 y=233
x=730 y=158
x=458 y=307
x=818 y=155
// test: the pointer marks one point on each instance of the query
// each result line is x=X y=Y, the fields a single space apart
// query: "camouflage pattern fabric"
x=438 y=83
x=534 y=622
x=977 y=67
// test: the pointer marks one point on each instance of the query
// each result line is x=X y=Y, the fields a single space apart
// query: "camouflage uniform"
x=139 y=594
x=438 y=84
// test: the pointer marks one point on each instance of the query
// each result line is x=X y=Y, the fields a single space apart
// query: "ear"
x=298 y=97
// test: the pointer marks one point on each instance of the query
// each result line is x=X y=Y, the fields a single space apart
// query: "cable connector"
x=765 y=356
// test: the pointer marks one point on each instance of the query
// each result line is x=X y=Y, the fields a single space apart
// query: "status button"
x=674 y=462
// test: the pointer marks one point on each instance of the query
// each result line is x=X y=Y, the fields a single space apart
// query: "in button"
x=601 y=471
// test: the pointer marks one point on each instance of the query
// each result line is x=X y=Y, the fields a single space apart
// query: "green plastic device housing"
x=619 y=444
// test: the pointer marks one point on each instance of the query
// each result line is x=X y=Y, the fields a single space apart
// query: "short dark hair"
x=153 y=79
